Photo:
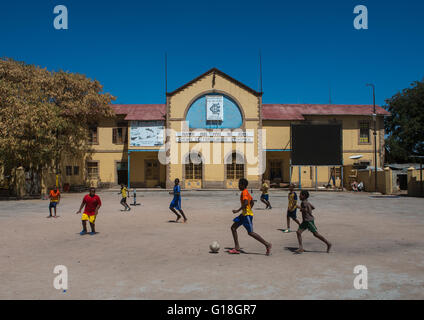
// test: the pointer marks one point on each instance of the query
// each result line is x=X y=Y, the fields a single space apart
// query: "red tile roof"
x=269 y=111
x=298 y=111
x=141 y=111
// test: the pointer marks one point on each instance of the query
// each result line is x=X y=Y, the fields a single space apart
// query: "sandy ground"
x=141 y=255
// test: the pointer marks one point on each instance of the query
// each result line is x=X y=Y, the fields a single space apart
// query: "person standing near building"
x=54 y=197
x=246 y=219
x=265 y=195
x=124 y=193
x=176 y=201
x=92 y=203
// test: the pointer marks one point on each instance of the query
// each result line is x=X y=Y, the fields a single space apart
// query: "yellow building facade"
x=214 y=130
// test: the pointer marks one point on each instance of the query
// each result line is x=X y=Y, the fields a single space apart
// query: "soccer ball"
x=214 y=246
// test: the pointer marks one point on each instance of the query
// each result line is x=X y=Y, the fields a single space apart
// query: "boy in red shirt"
x=246 y=219
x=92 y=204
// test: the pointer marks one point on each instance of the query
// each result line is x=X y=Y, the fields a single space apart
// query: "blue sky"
x=307 y=46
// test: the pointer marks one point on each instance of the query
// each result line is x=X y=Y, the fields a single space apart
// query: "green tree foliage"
x=405 y=126
x=45 y=116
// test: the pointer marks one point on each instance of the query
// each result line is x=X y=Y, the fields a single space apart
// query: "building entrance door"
x=122 y=172
x=193 y=170
x=275 y=171
x=151 y=173
x=234 y=171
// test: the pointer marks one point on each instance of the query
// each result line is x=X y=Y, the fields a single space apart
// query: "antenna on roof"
x=260 y=70
x=166 y=74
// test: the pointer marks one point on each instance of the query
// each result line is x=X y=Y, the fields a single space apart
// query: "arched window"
x=197 y=114
x=235 y=167
x=193 y=166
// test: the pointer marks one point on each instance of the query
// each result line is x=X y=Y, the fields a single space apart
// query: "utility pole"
x=374 y=116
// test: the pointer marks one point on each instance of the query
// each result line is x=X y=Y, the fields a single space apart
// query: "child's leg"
x=317 y=235
x=234 y=228
x=84 y=225
x=288 y=222
x=299 y=239
x=123 y=203
x=297 y=221
x=50 y=211
x=264 y=202
x=261 y=240
x=182 y=213
x=55 y=210
x=176 y=213
x=92 y=226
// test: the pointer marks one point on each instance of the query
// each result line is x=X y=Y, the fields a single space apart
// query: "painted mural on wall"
x=146 y=133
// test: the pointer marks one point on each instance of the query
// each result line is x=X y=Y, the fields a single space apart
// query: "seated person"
x=354 y=185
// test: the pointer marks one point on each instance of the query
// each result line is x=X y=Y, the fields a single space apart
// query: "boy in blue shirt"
x=176 y=201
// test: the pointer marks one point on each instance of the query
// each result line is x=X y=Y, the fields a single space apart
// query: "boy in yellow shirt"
x=292 y=208
x=264 y=195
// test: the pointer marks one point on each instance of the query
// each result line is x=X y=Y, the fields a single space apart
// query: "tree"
x=45 y=116
x=405 y=126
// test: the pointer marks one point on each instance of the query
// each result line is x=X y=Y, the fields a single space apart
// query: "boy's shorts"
x=176 y=204
x=246 y=221
x=292 y=214
x=265 y=196
x=310 y=225
x=124 y=200
x=52 y=204
x=86 y=217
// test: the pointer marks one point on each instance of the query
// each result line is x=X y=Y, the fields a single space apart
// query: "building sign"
x=215 y=136
x=146 y=133
x=214 y=108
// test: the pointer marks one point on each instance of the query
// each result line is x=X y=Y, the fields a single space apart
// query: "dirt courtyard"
x=141 y=255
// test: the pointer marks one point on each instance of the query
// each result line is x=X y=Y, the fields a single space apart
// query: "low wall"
x=415 y=186
x=384 y=180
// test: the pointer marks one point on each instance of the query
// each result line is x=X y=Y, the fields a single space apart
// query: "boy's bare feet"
x=185 y=220
x=268 y=249
x=178 y=218
x=300 y=250
x=329 y=247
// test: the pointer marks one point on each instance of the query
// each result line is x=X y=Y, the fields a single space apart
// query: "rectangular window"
x=92 y=136
x=76 y=171
x=69 y=170
x=119 y=135
x=364 y=132
x=92 y=169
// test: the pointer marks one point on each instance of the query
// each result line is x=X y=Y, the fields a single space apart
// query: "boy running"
x=246 y=219
x=92 y=204
x=124 y=193
x=308 y=222
x=292 y=208
x=176 y=201
x=264 y=195
x=54 y=197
